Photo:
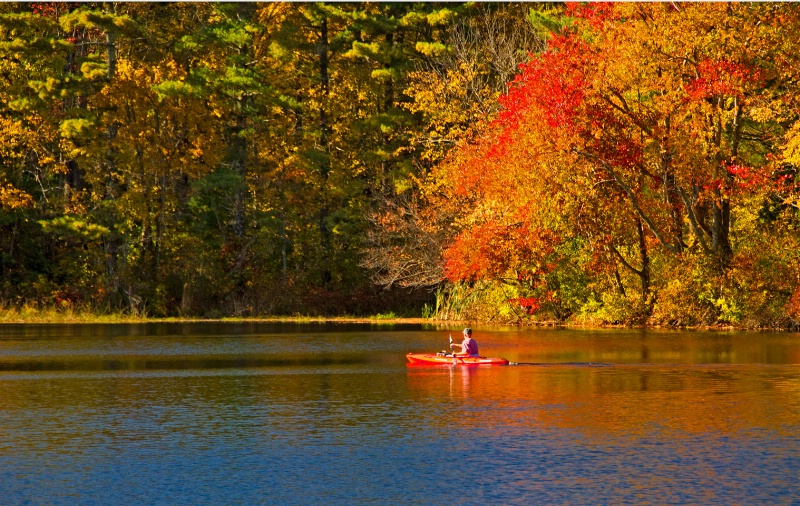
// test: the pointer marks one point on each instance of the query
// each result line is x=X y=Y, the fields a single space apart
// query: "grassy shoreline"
x=68 y=316
x=55 y=316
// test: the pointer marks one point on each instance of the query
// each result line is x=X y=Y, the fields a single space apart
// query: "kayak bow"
x=442 y=359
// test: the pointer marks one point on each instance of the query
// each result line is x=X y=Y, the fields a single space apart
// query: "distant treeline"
x=224 y=158
x=605 y=163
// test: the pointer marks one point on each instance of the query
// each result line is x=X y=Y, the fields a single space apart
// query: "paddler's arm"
x=459 y=345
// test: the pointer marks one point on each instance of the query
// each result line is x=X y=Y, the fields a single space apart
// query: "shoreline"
x=78 y=319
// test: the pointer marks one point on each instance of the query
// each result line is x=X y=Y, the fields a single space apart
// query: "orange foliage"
x=724 y=78
x=634 y=139
x=793 y=305
x=553 y=83
x=492 y=249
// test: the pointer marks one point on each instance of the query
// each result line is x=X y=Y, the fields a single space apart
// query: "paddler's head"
x=467 y=332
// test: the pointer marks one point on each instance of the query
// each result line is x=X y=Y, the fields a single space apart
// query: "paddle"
x=455 y=358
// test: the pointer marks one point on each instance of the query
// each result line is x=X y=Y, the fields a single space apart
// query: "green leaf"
x=74 y=227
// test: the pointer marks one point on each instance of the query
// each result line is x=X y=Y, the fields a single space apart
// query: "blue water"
x=307 y=415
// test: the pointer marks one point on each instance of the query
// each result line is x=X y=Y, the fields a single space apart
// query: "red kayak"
x=442 y=359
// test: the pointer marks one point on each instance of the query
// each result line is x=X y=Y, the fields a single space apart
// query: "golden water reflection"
x=589 y=417
x=620 y=399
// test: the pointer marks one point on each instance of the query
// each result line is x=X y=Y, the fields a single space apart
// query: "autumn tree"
x=454 y=88
x=648 y=141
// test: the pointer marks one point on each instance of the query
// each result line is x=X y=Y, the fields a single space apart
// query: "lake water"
x=308 y=414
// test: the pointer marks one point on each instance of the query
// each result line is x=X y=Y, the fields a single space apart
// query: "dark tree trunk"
x=323 y=49
x=644 y=258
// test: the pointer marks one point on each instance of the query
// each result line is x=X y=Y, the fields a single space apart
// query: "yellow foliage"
x=13 y=136
x=791 y=151
x=13 y=198
x=452 y=105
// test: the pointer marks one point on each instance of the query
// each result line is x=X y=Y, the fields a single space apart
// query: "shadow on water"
x=573 y=364
x=176 y=364
x=15 y=331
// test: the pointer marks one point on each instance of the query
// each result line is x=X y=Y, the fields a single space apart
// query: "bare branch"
x=625 y=109
x=624 y=262
x=632 y=197
x=405 y=242
x=698 y=232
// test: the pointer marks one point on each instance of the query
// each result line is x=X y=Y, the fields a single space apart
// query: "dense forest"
x=593 y=163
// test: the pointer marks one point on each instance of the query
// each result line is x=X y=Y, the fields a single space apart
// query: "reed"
x=481 y=301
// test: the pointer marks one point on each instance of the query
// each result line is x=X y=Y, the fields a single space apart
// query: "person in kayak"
x=469 y=347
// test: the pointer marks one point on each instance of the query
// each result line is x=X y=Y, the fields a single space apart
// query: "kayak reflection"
x=465 y=374
x=458 y=382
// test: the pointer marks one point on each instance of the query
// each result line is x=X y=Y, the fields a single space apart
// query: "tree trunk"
x=721 y=211
x=644 y=271
x=240 y=168
x=111 y=54
x=323 y=48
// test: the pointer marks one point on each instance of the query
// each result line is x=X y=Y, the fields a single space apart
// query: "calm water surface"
x=307 y=414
